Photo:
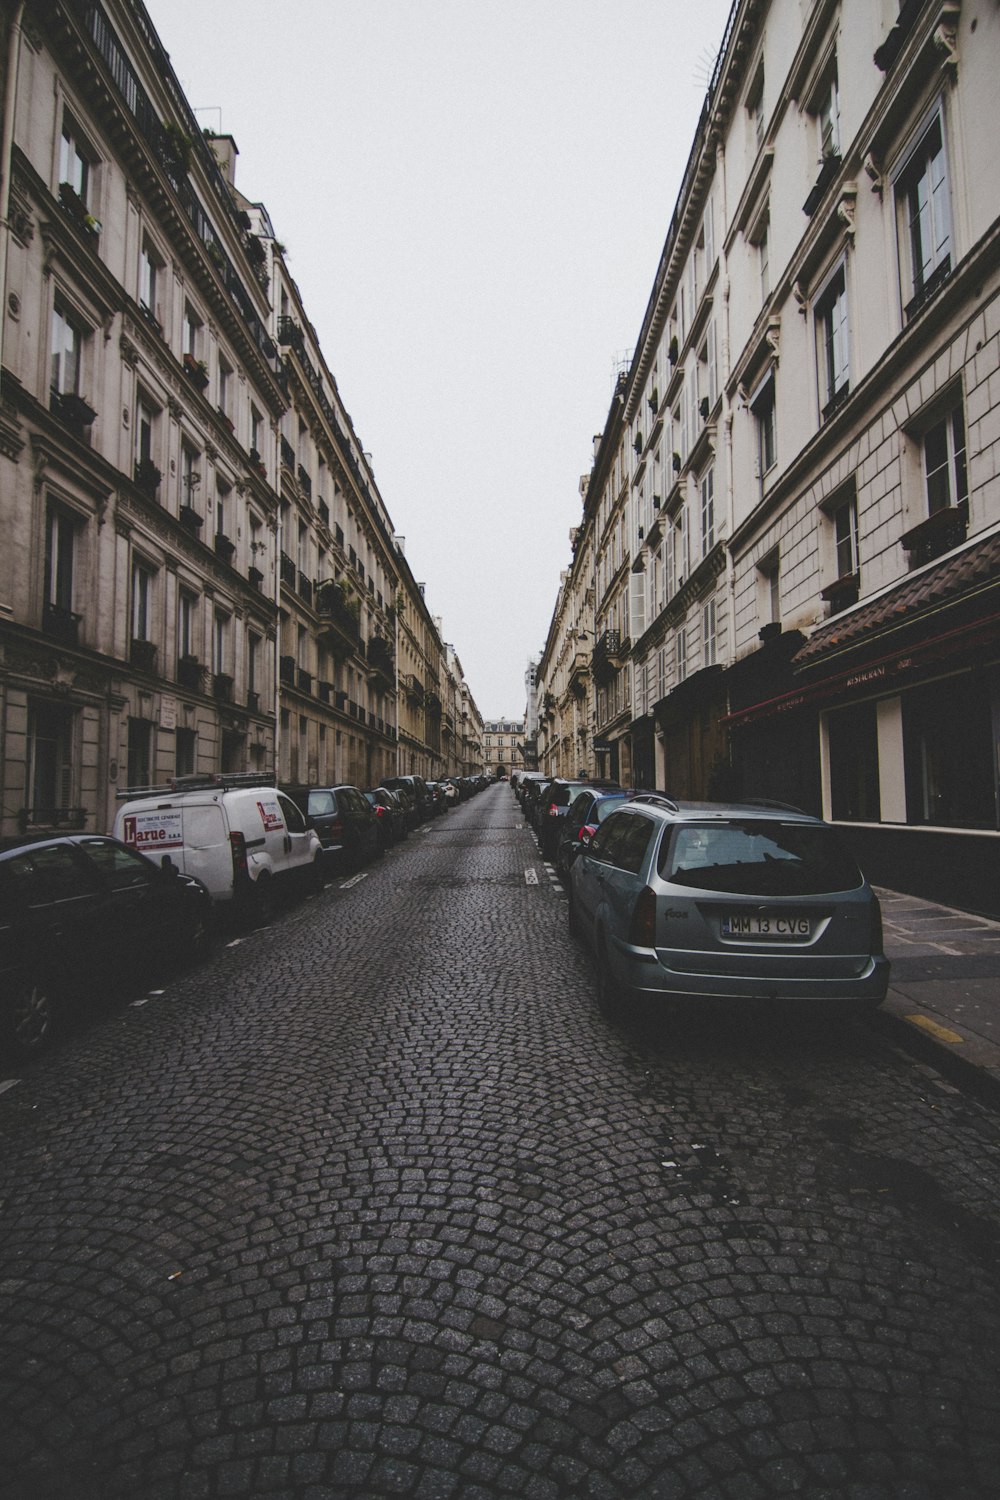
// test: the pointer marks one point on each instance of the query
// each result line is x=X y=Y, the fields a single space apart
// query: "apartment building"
x=809 y=426
x=141 y=391
x=503 y=746
x=200 y=574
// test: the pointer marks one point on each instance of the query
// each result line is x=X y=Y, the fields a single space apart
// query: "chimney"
x=226 y=153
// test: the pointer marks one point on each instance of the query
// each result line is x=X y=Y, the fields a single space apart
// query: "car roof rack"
x=217 y=781
x=766 y=802
x=660 y=799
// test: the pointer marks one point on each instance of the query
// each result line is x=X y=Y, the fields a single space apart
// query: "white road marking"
x=531 y=877
x=354 y=880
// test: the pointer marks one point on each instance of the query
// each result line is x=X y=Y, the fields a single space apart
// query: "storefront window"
x=949 y=776
x=853 y=742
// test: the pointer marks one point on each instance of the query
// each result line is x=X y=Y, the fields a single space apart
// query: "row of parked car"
x=87 y=911
x=749 y=902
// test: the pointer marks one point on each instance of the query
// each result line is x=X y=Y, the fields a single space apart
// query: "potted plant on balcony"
x=196 y=371
x=147 y=477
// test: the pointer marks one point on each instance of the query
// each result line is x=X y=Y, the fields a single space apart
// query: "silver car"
x=725 y=901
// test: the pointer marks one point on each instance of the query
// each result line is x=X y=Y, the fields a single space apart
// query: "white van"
x=237 y=834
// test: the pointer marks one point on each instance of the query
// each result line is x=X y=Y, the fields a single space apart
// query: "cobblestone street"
x=376 y=1204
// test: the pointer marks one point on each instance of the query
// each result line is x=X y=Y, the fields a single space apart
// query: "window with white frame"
x=945 y=476
x=755 y=107
x=924 y=216
x=707 y=492
x=708 y=388
x=709 y=634
x=680 y=653
x=224 y=517
x=66 y=352
x=145 y=429
x=762 y=406
x=60 y=553
x=190 y=475
x=833 y=342
x=150 y=271
x=225 y=389
x=143 y=582
x=75 y=162
x=256 y=431
x=827 y=111
x=187 y=617
x=192 y=332
x=220 y=642
x=844 y=520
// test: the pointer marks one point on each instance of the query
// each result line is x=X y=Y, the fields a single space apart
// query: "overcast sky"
x=473 y=195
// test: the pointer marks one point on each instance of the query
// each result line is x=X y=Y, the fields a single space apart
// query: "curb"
x=966 y=1059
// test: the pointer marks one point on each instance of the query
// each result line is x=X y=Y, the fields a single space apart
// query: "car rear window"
x=320 y=804
x=757 y=858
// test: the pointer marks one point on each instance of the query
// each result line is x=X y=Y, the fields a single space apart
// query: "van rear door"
x=206 y=853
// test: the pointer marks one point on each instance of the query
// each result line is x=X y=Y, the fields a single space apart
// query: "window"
x=707 y=511
x=145 y=428
x=186 y=743
x=220 y=642
x=60 y=546
x=828 y=113
x=934 y=793
x=253 y=661
x=142 y=601
x=74 y=164
x=187 y=614
x=140 y=737
x=681 y=643
x=845 y=536
x=67 y=344
x=223 y=510
x=764 y=259
x=150 y=267
x=755 y=108
x=922 y=196
x=833 y=343
x=225 y=389
x=709 y=635
x=853 y=747
x=50 y=759
x=190 y=475
x=763 y=408
x=256 y=429
x=944 y=461
x=708 y=385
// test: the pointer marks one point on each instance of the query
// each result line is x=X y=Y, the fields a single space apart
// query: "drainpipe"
x=6 y=154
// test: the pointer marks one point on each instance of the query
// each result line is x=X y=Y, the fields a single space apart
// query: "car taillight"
x=238 y=849
x=588 y=828
x=553 y=809
x=642 y=929
x=335 y=830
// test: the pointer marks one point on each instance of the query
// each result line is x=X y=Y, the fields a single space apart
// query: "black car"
x=78 y=914
x=344 y=821
x=418 y=790
x=551 y=805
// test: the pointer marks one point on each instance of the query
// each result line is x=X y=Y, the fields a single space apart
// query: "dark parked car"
x=717 y=901
x=77 y=914
x=585 y=814
x=551 y=805
x=343 y=819
x=417 y=788
x=393 y=819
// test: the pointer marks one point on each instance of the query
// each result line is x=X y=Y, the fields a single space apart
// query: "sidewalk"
x=944 y=990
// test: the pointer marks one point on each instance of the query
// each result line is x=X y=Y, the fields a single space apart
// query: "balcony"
x=224 y=548
x=61 y=624
x=324 y=691
x=303 y=680
x=338 y=621
x=253 y=702
x=413 y=688
x=943 y=530
x=190 y=673
x=142 y=655
x=305 y=588
x=608 y=653
x=222 y=687
x=842 y=593
x=286 y=670
x=305 y=482
x=78 y=211
x=72 y=411
x=196 y=371
x=288 y=571
x=256 y=578
x=147 y=477
x=287 y=455
x=579 y=674
x=191 y=520
x=290 y=334
x=827 y=172
x=380 y=657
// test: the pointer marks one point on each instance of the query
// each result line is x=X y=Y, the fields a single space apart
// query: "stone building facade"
x=810 y=425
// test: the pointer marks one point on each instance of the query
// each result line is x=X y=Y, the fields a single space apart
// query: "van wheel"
x=263 y=905
x=30 y=1018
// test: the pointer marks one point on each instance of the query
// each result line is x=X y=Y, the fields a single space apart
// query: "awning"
x=966 y=578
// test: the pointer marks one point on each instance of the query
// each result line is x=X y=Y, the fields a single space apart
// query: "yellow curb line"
x=941 y=1032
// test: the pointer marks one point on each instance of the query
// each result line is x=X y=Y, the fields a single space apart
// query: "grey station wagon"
x=741 y=902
